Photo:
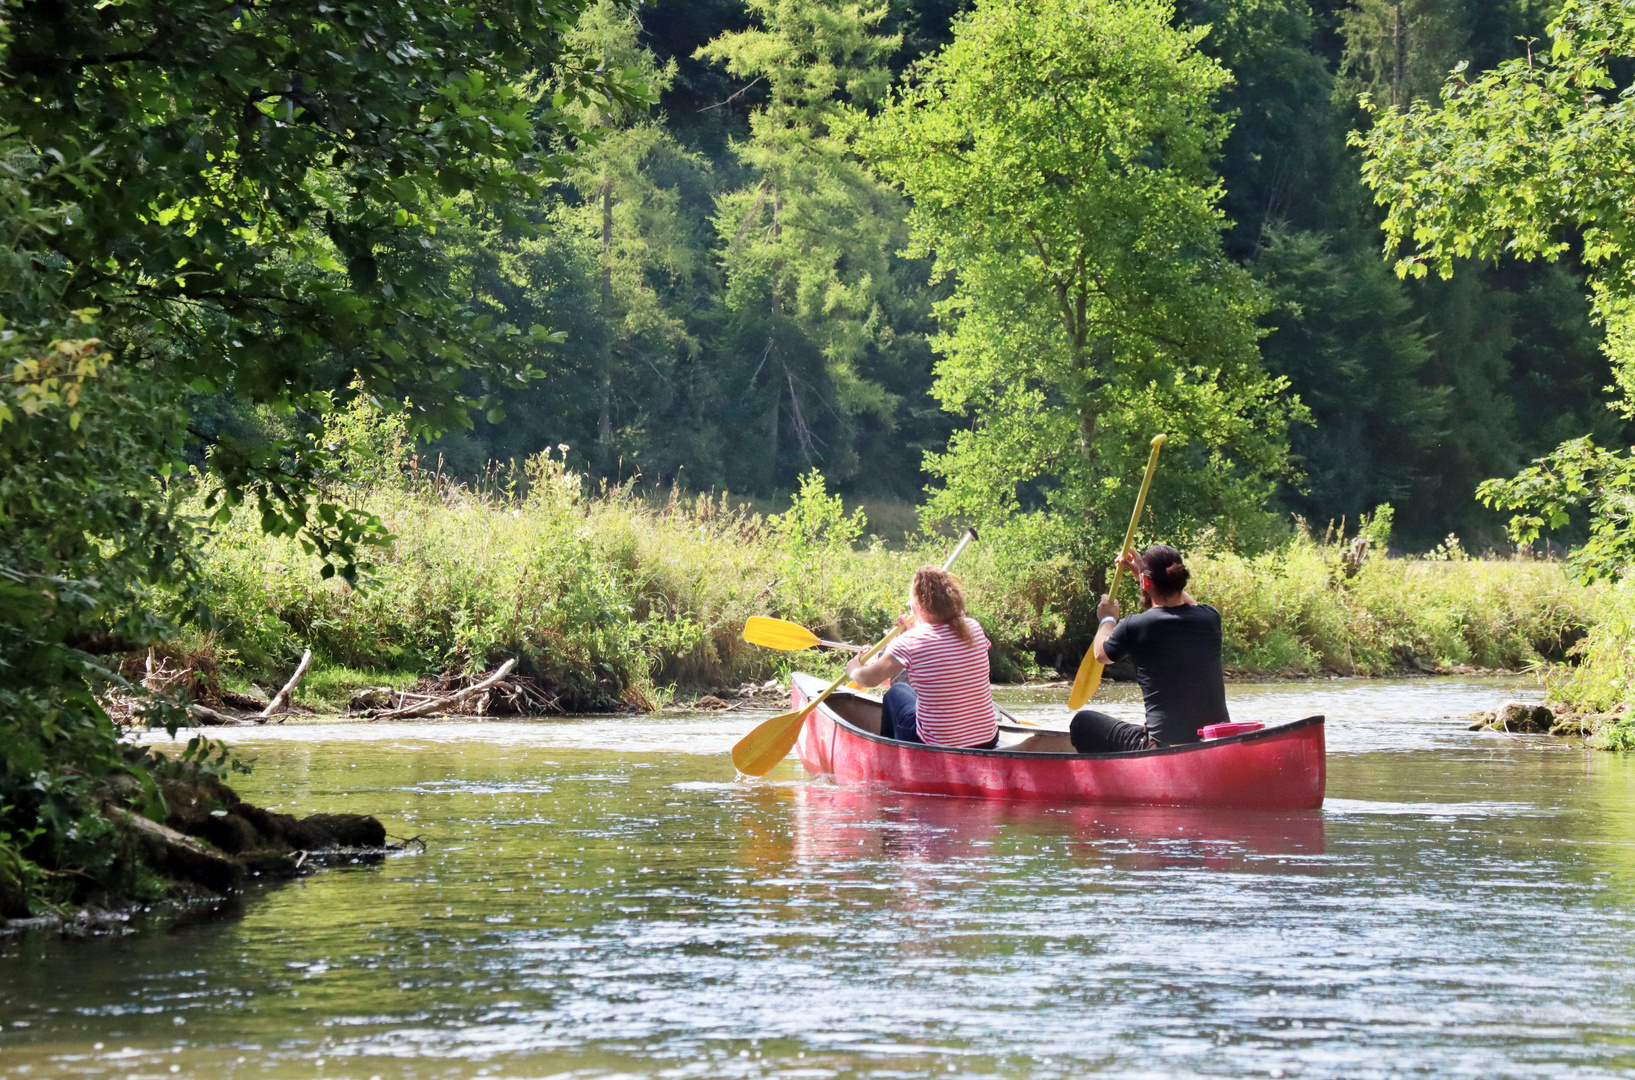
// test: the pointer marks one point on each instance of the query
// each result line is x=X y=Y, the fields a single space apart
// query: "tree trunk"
x=772 y=435
x=1399 y=39
x=604 y=419
x=772 y=348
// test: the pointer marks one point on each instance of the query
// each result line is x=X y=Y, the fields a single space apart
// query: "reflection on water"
x=601 y=898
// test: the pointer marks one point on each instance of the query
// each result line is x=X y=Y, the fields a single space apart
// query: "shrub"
x=615 y=598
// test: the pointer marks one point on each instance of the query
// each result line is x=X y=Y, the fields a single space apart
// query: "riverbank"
x=169 y=830
x=617 y=601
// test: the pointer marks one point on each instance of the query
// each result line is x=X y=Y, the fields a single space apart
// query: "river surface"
x=600 y=898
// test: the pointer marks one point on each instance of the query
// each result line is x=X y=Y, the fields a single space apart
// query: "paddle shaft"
x=1084 y=687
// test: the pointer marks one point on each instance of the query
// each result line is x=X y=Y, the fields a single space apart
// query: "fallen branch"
x=283 y=695
x=209 y=717
x=446 y=702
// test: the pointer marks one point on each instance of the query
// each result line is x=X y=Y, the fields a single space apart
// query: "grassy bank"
x=1600 y=685
x=615 y=600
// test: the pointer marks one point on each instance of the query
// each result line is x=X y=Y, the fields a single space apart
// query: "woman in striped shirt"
x=947 y=701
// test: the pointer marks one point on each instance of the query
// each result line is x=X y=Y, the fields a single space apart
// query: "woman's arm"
x=1107 y=609
x=882 y=669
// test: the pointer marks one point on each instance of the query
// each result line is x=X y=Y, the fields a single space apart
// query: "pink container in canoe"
x=1221 y=731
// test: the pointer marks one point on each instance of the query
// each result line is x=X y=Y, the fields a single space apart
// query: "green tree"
x=267 y=192
x=1059 y=155
x=1399 y=51
x=1346 y=337
x=645 y=246
x=1516 y=161
x=808 y=241
x=246 y=200
x=1533 y=158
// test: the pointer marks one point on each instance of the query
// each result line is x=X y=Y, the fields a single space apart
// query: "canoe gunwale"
x=1269 y=731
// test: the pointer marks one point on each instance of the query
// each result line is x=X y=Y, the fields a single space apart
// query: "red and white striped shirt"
x=950 y=681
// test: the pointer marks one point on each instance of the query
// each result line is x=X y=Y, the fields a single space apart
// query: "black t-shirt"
x=1177 y=657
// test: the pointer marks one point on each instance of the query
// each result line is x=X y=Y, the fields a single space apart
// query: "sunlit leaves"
x=282 y=177
x=1060 y=158
x=1577 y=475
x=1515 y=162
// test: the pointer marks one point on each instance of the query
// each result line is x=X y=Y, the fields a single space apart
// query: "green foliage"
x=1618 y=737
x=1417 y=390
x=609 y=598
x=1345 y=338
x=1296 y=609
x=1578 y=476
x=262 y=195
x=1602 y=681
x=85 y=529
x=808 y=239
x=817 y=520
x=367 y=442
x=605 y=599
x=1514 y=161
x=1515 y=155
x=1059 y=155
x=251 y=203
x=1399 y=51
x=646 y=248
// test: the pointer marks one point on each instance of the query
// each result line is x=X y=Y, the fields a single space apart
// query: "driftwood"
x=209 y=717
x=435 y=703
x=283 y=695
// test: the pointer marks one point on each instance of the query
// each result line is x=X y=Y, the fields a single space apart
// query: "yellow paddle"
x=771 y=741
x=787 y=636
x=1089 y=676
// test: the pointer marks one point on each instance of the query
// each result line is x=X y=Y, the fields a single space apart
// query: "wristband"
x=1105 y=619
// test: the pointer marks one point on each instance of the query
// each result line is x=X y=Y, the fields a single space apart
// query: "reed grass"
x=619 y=600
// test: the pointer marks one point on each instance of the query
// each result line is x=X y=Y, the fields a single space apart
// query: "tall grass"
x=1601 y=684
x=614 y=598
x=1295 y=610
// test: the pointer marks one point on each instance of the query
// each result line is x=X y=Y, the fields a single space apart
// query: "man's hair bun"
x=1162 y=564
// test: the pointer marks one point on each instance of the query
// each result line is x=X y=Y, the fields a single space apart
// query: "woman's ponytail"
x=1163 y=566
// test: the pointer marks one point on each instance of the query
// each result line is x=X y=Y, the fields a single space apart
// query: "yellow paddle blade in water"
x=769 y=743
x=778 y=634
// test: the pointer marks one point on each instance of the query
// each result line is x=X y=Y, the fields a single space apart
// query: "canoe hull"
x=1280 y=767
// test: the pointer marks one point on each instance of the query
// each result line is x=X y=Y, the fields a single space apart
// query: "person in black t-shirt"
x=1175 y=645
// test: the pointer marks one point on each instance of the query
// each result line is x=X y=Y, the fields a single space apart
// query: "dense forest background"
x=674 y=361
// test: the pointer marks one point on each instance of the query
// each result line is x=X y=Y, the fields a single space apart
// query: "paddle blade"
x=778 y=634
x=769 y=743
x=1085 y=682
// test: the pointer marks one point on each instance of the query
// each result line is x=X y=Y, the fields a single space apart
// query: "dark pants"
x=898 y=713
x=1095 y=732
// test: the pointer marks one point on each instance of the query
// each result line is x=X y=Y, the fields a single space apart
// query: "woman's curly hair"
x=938 y=594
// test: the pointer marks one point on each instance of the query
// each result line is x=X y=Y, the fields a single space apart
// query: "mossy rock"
x=1517 y=718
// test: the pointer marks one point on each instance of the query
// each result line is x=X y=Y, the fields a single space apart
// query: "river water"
x=600 y=898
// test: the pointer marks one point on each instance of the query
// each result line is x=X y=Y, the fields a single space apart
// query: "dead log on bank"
x=208 y=717
x=289 y=688
x=442 y=703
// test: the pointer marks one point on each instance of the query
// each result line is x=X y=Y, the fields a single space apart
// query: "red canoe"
x=1280 y=767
